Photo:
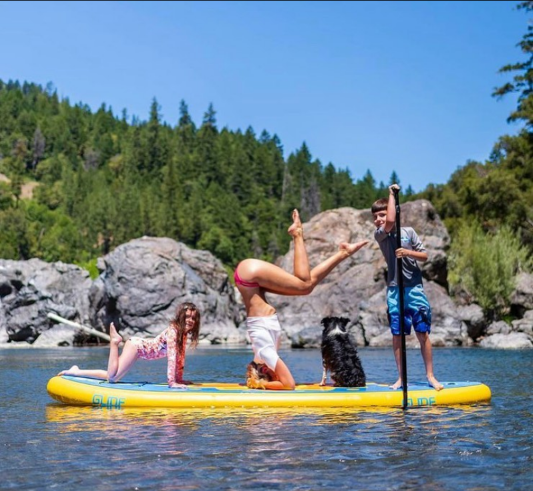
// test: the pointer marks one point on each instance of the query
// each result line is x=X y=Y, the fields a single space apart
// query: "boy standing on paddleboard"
x=417 y=310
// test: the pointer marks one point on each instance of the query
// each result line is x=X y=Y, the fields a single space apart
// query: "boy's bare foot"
x=435 y=383
x=116 y=338
x=350 y=249
x=296 y=229
x=396 y=385
x=73 y=370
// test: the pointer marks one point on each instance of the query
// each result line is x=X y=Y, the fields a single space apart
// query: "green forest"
x=76 y=183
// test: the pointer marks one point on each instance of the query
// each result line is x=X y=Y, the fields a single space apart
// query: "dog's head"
x=334 y=326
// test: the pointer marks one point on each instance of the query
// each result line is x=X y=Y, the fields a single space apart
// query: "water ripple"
x=52 y=446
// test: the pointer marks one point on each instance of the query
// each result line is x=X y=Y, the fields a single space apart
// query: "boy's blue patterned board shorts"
x=417 y=312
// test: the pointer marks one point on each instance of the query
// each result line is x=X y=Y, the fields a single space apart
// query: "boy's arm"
x=419 y=256
x=391 y=209
x=418 y=251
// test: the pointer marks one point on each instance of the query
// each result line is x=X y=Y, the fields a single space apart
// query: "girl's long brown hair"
x=178 y=322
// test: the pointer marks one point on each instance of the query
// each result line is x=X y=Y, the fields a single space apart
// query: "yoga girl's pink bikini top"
x=248 y=284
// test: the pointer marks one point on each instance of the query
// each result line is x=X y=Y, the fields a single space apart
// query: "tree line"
x=103 y=180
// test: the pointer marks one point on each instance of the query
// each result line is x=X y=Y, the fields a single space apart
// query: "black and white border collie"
x=339 y=355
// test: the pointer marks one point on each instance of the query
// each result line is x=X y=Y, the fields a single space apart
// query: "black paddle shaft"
x=399 y=275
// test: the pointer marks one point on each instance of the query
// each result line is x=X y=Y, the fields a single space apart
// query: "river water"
x=47 y=445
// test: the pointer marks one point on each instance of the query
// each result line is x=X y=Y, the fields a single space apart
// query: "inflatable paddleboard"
x=93 y=392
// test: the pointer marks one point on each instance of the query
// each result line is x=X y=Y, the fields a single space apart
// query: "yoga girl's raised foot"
x=433 y=382
x=73 y=370
x=350 y=249
x=296 y=229
x=116 y=338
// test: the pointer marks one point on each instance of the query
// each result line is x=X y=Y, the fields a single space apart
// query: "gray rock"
x=472 y=315
x=499 y=327
x=514 y=340
x=310 y=337
x=58 y=335
x=29 y=290
x=143 y=281
x=522 y=297
x=525 y=324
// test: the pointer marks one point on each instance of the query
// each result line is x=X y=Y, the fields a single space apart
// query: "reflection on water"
x=61 y=413
x=70 y=417
x=47 y=445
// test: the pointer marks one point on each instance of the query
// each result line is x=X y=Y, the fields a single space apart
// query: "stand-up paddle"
x=399 y=269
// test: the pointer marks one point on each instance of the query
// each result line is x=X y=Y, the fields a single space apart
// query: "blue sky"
x=385 y=86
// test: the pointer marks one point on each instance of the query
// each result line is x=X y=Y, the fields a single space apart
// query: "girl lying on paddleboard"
x=172 y=343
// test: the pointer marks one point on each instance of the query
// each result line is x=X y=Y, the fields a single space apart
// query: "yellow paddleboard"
x=92 y=392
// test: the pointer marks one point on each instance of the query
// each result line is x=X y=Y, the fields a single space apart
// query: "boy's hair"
x=380 y=205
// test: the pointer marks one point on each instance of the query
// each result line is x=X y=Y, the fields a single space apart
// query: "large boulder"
x=143 y=281
x=29 y=290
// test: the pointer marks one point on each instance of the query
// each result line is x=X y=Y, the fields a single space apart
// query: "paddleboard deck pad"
x=94 y=392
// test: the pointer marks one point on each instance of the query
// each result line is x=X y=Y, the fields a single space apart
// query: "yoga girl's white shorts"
x=265 y=335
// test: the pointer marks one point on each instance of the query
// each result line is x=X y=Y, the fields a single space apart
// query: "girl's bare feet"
x=296 y=229
x=116 y=338
x=73 y=370
x=350 y=249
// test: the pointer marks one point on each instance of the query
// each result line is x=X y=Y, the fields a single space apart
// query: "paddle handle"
x=399 y=275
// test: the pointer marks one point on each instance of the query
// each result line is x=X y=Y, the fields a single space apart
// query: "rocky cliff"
x=141 y=283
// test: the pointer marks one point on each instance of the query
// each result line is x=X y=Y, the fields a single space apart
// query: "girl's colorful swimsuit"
x=165 y=344
x=239 y=281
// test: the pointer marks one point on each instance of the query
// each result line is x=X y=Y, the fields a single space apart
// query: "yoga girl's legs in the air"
x=274 y=279
x=301 y=261
x=117 y=365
